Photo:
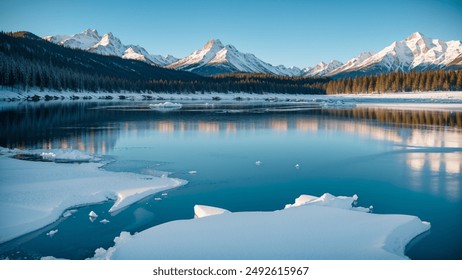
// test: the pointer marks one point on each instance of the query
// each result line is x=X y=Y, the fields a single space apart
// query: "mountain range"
x=416 y=52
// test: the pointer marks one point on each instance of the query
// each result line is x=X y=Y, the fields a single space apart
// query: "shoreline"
x=445 y=101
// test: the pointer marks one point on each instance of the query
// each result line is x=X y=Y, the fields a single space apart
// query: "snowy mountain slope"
x=416 y=52
x=322 y=69
x=216 y=58
x=108 y=44
x=351 y=63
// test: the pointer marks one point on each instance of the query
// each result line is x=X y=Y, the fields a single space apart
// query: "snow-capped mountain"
x=321 y=69
x=351 y=63
x=216 y=58
x=416 y=52
x=108 y=44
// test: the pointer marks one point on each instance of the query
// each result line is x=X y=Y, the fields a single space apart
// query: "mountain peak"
x=213 y=42
x=90 y=32
x=415 y=36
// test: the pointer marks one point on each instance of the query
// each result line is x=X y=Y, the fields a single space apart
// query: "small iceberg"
x=166 y=106
x=51 y=233
x=258 y=163
x=104 y=221
x=92 y=214
x=193 y=172
x=69 y=213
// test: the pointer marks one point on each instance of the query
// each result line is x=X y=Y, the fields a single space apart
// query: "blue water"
x=399 y=162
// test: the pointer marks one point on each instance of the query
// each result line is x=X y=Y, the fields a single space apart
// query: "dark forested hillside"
x=28 y=61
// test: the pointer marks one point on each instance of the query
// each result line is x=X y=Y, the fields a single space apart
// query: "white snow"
x=319 y=228
x=34 y=194
x=446 y=100
x=214 y=53
x=108 y=44
x=64 y=155
x=201 y=211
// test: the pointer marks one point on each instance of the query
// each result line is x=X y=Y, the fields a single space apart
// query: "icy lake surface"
x=244 y=156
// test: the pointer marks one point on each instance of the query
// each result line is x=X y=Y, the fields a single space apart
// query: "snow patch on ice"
x=325 y=227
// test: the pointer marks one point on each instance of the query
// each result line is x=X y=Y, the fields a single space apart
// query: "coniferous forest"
x=439 y=80
x=29 y=62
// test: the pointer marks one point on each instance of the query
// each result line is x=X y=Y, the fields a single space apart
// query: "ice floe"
x=51 y=233
x=325 y=227
x=36 y=193
x=165 y=106
x=69 y=213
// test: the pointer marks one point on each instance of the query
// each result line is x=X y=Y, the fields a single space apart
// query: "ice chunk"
x=51 y=233
x=92 y=214
x=69 y=213
x=302 y=200
x=104 y=221
x=193 y=172
x=297 y=166
x=258 y=163
x=201 y=211
x=166 y=106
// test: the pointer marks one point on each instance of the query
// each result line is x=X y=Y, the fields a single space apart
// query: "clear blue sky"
x=291 y=32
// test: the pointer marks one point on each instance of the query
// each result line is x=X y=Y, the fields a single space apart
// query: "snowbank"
x=312 y=228
x=427 y=99
x=34 y=194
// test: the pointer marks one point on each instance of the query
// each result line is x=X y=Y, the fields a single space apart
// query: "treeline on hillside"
x=27 y=61
x=439 y=80
x=244 y=82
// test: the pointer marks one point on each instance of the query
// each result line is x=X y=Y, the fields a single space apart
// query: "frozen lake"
x=243 y=156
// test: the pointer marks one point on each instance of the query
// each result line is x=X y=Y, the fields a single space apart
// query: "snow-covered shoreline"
x=34 y=194
x=444 y=100
x=325 y=227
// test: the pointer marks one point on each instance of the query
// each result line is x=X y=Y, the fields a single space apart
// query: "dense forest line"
x=29 y=62
x=439 y=80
